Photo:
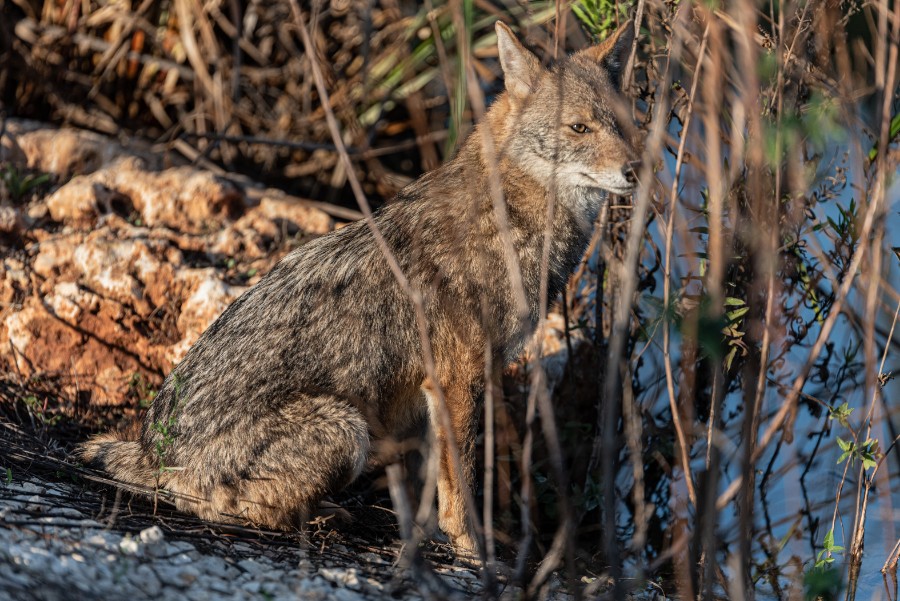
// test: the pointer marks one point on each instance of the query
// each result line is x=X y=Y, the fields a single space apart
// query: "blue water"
x=799 y=509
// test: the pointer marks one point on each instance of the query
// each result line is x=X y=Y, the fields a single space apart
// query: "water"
x=796 y=508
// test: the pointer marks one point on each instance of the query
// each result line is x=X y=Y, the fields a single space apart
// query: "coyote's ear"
x=613 y=52
x=521 y=68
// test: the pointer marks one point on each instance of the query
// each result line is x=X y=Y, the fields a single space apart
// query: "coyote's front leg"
x=459 y=399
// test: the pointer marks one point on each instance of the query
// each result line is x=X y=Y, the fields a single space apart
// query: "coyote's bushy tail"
x=119 y=456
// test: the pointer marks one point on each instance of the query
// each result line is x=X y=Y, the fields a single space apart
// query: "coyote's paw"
x=465 y=548
x=330 y=513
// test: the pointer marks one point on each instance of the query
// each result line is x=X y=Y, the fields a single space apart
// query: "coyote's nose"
x=630 y=171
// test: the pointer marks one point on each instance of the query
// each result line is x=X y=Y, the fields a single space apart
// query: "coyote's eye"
x=580 y=128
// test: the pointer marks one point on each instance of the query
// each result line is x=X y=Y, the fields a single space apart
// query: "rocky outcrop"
x=122 y=264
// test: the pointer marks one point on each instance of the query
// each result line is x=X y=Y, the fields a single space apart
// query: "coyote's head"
x=568 y=125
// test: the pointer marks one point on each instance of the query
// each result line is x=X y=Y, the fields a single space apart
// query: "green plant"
x=39 y=410
x=167 y=430
x=600 y=17
x=864 y=452
x=893 y=133
x=141 y=389
x=66 y=475
x=841 y=413
x=735 y=310
x=826 y=555
x=822 y=583
x=19 y=184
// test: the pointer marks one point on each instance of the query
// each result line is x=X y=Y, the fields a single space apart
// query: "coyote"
x=276 y=404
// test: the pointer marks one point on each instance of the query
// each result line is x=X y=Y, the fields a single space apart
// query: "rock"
x=152 y=535
x=103 y=540
x=129 y=546
x=218 y=585
x=64 y=152
x=187 y=575
x=66 y=512
x=215 y=567
x=342 y=577
x=276 y=215
x=14 y=579
x=182 y=546
x=181 y=558
x=198 y=594
x=253 y=568
x=314 y=589
x=11 y=220
x=370 y=557
x=30 y=488
x=140 y=260
x=36 y=504
x=146 y=580
x=343 y=594
x=71 y=561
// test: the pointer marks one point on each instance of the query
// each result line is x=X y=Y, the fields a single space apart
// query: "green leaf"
x=823 y=582
x=729 y=359
x=895 y=130
x=841 y=413
x=737 y=313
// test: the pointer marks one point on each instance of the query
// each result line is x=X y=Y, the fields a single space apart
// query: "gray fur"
x=277 y=402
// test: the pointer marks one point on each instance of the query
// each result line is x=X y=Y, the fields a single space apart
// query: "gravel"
x=51 y=551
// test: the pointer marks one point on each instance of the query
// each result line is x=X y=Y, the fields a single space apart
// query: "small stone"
x=152 y=535
x=374 y=584
x=213 y=567
x=36 y=504
x=313 y=589
x=10 y=220
x=182 y=546
x=251 y=567
x=198 y=594
x=182 y=558
x=129 y=546
x=219 y=586
x=305 y=568
x=30 y=488
x=343 y=594
x=16 y=579
x=342 y=577
x=187 y=575
x=370 y=557
x=102 y=539
x=146 y=580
